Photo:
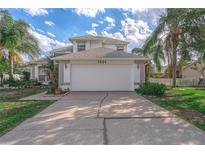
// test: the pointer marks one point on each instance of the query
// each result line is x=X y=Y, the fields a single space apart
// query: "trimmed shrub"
x=21 y=83
x=149 y=88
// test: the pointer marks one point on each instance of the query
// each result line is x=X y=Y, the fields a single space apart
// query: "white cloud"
x=119 y=35
x=100 y=22
x=51 y=34
x=31 y=25
x=105 y=33
x=146 y=14
x=40 y=30
x=135 y=31
x=49 y=23
x=134 y=10
x=110 y=21
x=46 y=43
x=94 y=25
x=91 y=32
x=36 y=11
x=116 y=35
x=137 y=24
x=89 y=12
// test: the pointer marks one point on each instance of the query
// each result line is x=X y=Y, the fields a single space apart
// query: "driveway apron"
x=104 y=118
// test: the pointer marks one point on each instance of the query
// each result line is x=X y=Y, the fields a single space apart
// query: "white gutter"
x=59 y=59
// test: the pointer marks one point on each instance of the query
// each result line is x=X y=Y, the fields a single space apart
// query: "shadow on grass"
x=14 y=112
x=188 y=105
x=15 y=94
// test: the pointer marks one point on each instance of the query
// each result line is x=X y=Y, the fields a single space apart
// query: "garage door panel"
x=102 y=78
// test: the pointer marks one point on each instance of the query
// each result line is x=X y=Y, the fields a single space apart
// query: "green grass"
x=13 y=111
x=14 y=94
x=187 y=103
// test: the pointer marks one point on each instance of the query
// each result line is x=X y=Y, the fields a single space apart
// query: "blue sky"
x=53 y=27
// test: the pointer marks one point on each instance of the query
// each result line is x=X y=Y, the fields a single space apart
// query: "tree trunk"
x=169 y=66
x=147 y=72
x=1 y=52
x=173 y=42
x=1 y=76
x=170 y=70
x=180 y=67
x=174 y=68
x=11 y=64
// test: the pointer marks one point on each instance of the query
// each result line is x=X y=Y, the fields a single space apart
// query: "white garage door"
x=102 y=78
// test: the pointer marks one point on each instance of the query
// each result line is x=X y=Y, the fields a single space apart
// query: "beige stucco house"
x=194 y=70
x=38 y=71
x=96 y=63
x=37 y=68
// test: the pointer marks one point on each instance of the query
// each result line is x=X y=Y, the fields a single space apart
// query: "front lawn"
x=13 y=111
x=187 y=103
x=14 y=94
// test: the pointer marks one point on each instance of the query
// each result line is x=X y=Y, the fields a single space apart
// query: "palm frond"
x=154 y=38
x=29 y=46
x=137 y=51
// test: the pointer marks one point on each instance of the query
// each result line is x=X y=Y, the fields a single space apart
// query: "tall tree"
x=52 y=71
x=15 y=38
x=179 y=31
x=137 y=51
x=3 y=67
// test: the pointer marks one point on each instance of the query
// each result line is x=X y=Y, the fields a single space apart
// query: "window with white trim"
x=81 y=46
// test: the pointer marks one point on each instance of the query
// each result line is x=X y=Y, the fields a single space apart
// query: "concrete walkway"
x=104 y=118
x=42 y=96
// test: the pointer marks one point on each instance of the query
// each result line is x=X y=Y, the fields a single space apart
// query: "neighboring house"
x=194 y=70
x=100 y=64
x=38 y=71
x=37 y=67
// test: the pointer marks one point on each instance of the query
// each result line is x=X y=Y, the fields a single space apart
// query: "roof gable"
x=99 y=53
x=107 y=40
x=193 y=63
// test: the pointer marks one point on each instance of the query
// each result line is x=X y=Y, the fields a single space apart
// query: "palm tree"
x=53 y=71
x=175 y=34
x=137 y=51
x=15 y=38
x=3 y=68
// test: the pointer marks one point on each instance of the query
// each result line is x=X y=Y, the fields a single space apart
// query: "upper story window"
x=81 y=46
x=120 y=47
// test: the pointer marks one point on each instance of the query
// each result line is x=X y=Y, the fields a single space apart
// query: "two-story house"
x=100 y=64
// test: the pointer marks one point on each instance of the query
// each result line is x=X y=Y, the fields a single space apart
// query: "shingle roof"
x=192 y=63
x=107 y=40
x=64 y=49
x=40 y=61
x=99 y=53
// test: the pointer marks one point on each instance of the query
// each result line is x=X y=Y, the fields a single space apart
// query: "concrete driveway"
x=104 y=118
